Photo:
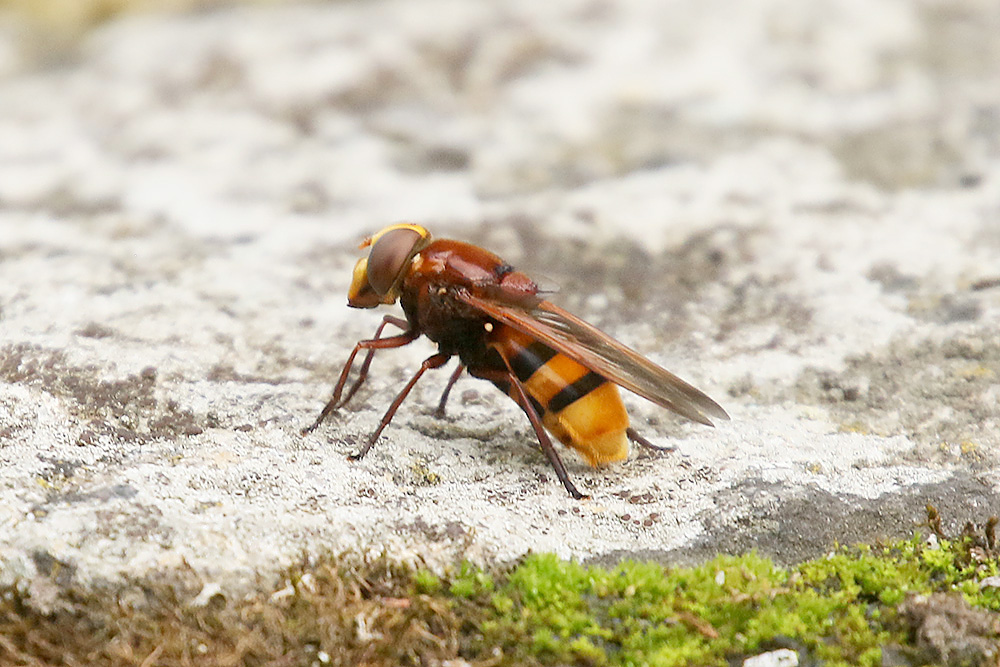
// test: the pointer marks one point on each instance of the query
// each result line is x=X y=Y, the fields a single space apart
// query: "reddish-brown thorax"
x=428 y=295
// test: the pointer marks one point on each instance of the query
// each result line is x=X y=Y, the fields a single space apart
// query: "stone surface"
x=797 y=208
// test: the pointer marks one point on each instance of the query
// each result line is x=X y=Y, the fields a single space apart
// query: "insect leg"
x=376 y=343
x=544 y=440
x=635 y=437
x=536 y=423
x=363 y=373
x=439 y=412
x=434 y=361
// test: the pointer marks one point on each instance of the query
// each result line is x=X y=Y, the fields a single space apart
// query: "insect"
x=563 y=372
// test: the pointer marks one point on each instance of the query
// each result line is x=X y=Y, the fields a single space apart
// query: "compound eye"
x=389 y=256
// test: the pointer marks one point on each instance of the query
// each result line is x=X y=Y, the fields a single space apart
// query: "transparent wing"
x=601 y=353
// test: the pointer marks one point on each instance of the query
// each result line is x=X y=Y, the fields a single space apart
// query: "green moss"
x=842 y=609
x=470 y=582
x=426 y=582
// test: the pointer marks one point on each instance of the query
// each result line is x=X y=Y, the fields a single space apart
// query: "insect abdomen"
x=581 y=408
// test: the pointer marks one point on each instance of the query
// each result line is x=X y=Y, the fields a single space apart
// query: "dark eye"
x=389 y=256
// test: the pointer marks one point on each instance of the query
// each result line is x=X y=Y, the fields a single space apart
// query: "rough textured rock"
x=797 y=208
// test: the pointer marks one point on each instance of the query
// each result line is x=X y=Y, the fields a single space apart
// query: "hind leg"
x=508 y=378
x=634 y=436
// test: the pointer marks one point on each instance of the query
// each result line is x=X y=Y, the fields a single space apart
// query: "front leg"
x=372 y=344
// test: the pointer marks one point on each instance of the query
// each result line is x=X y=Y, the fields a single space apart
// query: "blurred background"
x=72 y=17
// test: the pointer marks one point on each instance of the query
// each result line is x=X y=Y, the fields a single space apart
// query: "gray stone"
x=796 y=210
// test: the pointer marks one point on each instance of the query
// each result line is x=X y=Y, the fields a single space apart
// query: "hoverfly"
x=563 y=372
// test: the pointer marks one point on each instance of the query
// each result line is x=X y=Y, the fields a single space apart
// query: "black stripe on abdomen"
x=529 y=359
x=575 y=391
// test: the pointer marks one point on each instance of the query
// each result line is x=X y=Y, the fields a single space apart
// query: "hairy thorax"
x=430 y=296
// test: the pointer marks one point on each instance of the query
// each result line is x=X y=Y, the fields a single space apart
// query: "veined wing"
x=601 y=353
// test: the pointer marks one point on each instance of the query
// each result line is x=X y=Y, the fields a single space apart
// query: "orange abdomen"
x=581 y=408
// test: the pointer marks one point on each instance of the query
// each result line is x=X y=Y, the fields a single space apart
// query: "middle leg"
x=434 y=361
x=372 y=344
x=439 y=412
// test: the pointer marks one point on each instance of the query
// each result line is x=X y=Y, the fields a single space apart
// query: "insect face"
x=377 y=278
